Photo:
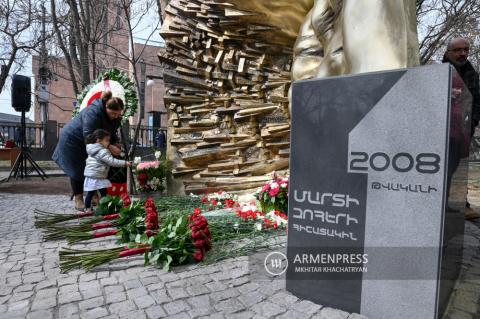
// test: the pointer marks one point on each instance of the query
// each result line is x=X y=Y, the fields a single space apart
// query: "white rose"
x=274 y=185
x=258 y=226
x=137 y=160
x=158 y=154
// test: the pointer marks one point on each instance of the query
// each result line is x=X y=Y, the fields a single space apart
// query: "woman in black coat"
x=70 y=153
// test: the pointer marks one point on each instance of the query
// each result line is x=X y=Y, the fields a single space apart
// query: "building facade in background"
x=109 y=53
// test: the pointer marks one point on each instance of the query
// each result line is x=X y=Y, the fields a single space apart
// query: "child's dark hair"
x=98 y=134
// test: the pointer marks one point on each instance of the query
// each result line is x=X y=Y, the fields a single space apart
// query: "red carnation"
x=206 y=232
x=151 y=216
x=266 y=187
x=198 y=255
x=197 y=235
x=199 y=243
x=126 y=200
x=229 y=203
x=274 y=191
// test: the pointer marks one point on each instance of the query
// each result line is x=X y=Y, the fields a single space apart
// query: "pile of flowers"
x=183 y=234
x=109 y=206
x=200 y=234
x=273 y=219
x=151 y=217
x=219 y=200
x=150 y=176
x=274 y=195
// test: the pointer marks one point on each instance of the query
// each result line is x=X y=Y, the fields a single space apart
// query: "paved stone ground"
x=31 y=285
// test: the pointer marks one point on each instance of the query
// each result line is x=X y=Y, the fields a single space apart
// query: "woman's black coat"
x=70 y=153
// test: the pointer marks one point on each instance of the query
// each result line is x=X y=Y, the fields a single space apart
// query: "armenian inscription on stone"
x=377 y=190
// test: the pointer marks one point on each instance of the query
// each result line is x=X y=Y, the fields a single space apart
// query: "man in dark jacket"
x=457 y=55
x=70 y=153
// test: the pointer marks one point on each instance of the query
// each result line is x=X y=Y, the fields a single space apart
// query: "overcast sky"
x=142 y=32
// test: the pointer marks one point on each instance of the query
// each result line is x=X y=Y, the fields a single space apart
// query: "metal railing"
x=147 y=136
x=35 y=134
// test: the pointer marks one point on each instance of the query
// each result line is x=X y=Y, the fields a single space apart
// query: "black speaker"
x=21 y=93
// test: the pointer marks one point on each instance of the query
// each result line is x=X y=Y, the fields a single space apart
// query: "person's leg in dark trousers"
x=77 y=189
x=77 y=186
x=103 y=192
x=88 y=199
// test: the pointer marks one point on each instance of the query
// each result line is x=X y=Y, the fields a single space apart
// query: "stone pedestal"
x=378 y=190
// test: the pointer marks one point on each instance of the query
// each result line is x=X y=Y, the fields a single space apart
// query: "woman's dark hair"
x=112 y=103
x=106 y=95
x=115 y=103
x=98 y=134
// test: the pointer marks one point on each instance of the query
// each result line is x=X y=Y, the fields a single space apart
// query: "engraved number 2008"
x=425 y=163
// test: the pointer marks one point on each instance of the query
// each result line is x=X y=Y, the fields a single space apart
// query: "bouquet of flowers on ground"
x=150 y=176
x=273 y=196
x=219 y=200
x=273 y=219
x=186 y=237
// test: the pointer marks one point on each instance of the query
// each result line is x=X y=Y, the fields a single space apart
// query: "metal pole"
x=43 y=75
x=143 y=77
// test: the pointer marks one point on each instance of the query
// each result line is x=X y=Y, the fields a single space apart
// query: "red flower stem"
x=112 y=216
x=105 y=233
x=102 y=225
x=133 y=252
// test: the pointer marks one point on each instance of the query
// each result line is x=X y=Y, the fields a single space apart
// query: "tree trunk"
x=94 y=62
x=80 y=44
x=68 y=58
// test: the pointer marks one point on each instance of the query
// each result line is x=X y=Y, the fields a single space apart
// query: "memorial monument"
x=377 y=163
x=378 y=190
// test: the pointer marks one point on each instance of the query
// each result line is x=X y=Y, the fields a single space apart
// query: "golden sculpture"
x=355 y=36
x=230 y=66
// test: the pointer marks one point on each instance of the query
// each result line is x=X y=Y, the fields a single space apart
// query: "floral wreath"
x=118 y=78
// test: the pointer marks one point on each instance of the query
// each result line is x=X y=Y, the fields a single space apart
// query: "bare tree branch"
x=439 y=20
x=19 y=34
